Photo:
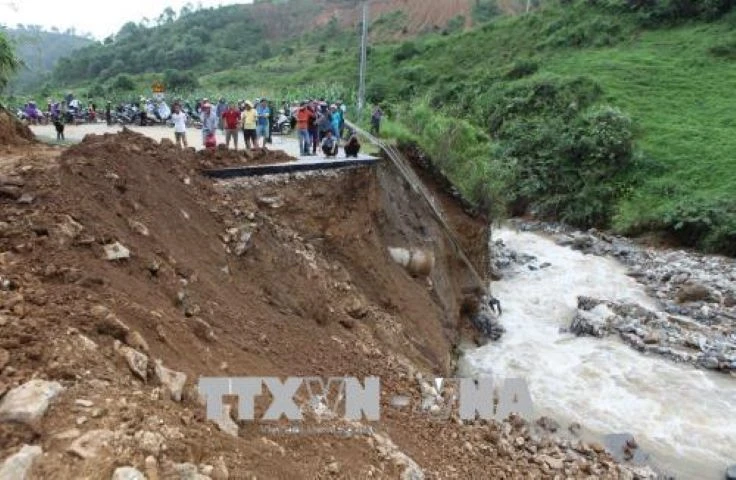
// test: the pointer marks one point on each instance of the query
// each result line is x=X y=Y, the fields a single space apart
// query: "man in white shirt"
x=180 y=126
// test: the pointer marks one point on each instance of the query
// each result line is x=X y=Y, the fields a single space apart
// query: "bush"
x=96 y=91
x=571 y=171
x=484 y=10
x=405 y=51
x=521 y=68
x=123 y=83
x=454 y=25
x=725 y=50
x=667 y=12
x=180 y=81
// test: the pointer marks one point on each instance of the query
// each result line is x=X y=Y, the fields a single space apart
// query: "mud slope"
x=259 y=277
x=13 y=132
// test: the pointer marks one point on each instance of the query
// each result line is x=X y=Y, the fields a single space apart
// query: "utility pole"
x=363 y=60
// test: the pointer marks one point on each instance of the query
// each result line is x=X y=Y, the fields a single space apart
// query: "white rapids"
x=683 y=417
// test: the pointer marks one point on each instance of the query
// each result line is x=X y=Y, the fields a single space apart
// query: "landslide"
x=12 y=131
x=285 y=276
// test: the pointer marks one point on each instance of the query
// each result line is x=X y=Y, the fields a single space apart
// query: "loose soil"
x=285 y=277
x=13 y=132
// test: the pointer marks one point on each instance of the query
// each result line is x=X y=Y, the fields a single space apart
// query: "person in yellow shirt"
x=249 y=126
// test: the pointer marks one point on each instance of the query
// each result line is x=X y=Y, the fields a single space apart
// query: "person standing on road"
x=221 y=108
x=304 y=118
x=341 y=113
x=180 y=126
x=231 y=120
x=264 y=114
x=271 y=122
x=249 y=126
x=313 y=127
x=376 y=118
x=335 y=115
x=58 y=118
x=209 y=123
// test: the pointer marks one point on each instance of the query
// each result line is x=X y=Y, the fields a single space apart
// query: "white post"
x=363 y=60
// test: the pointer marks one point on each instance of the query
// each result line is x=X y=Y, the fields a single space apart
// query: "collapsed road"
x=127 y=275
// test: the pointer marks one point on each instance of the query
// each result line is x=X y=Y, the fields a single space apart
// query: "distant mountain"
x=215 y=39
x=40 y=50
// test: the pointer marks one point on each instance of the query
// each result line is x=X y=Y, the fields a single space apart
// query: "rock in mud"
x=10 y=192
x=172 y=380
x=111 y=325
x=137 y=361
x=139 y=228
x=18 y=466
x=151 y=467
x=127 y=473
x=70 y=228
x=135 y=340
x=28 y=402
x=91 y=443
x=151 y=443
x=26 y=199
x=116 y=251
x=270 y=201
x=548 y=424
x=203 y=330
x=188 y=471
x=487 y=324
x=693 y=293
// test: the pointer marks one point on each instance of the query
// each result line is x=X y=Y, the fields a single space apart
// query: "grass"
x=677 y=93
x=675 y=84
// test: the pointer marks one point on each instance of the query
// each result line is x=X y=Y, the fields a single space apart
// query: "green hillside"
x=40 y=50
x=599 y=115
x=606 y=113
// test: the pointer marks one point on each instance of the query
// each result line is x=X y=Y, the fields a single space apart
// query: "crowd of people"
x=319 y=124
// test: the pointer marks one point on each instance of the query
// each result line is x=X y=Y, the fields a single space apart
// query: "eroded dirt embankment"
x=119 y=261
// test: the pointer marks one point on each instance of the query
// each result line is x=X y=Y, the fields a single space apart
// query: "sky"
x=98 y=17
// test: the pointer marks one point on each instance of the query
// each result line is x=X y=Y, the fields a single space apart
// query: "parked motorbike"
x=282 y=125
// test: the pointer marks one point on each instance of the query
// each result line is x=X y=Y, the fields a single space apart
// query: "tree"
x=180 y=81
x=123 y=82
x=9 y=63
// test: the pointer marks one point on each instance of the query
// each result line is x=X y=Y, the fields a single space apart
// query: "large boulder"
x=592 y=323
x=693 y=292
x=486 y=322
x=172 y=380
x=18 y=466
x=28 y=402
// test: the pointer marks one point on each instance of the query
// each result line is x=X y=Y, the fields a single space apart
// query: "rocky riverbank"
x=695 y=321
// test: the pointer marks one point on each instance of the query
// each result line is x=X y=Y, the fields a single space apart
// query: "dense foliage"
x=202 y=41
x=610 y=113
x=9 y=63
x=668 y=12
